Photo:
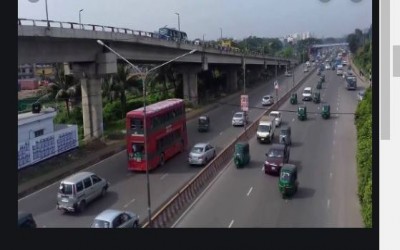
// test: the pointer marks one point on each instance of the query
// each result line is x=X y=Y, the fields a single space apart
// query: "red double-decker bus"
x=165 y=131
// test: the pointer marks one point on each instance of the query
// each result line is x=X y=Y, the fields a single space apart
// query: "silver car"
x=201 y=154
x=240 y=119
x=277 y=116
x=267 y=100
x=111 y=218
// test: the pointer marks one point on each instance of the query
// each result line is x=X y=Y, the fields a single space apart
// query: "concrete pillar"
x=92 y=109
x=189 y=77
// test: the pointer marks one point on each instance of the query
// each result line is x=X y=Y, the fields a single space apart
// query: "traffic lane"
x=281 y=216
x=119 y=161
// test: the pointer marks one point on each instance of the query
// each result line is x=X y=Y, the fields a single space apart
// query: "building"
x=39 y=138
x=26 y=71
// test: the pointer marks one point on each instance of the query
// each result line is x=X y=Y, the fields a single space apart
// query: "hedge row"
x=363 y=118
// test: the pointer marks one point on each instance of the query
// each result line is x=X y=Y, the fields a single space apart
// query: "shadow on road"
x=304 y=192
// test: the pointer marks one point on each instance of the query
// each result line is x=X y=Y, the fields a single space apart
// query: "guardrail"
x=173 y=207
x=103 y=28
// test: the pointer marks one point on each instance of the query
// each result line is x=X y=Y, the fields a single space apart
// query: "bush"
x=112 y=112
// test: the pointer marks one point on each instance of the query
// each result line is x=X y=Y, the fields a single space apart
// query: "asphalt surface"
x=323 y=151
x=128 y=189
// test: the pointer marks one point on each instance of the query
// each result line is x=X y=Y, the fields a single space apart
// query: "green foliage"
x=363 y=119
x=112 y=111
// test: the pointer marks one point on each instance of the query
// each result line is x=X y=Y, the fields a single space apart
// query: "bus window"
x=138 y=150
x=136 y=126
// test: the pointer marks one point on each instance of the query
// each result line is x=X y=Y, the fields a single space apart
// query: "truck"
x=351 y=82
x=266 y=129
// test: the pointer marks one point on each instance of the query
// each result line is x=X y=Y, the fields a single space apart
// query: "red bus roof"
x=155 y=107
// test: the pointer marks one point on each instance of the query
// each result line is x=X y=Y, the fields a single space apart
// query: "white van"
x=339 y=70
x=266 y=129
x=80 y=189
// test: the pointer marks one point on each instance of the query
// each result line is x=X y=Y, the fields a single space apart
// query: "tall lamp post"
x=80 y=16
x=143 y=76
x=47 y=13
x=221 y=33
x=179 y=21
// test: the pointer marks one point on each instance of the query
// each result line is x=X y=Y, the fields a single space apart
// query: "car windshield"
x=100 y=224
x=284 y=132
x=197 y=149
x=307 y=91
x=267 y=97
x=274 y=115
x=65 y=188
x=202 y=121
x=263 y=128
x=285 y=176
x=275 y=153
x=238 y=115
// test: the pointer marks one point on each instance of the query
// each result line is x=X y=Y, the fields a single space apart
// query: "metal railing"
x=103 y=28
x=168 y=212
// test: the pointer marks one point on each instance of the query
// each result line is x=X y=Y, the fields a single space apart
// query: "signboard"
x=244 y=102
x=276 y=85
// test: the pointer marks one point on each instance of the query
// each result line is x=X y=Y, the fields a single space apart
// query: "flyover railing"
x=103 y=28
x=172 y=208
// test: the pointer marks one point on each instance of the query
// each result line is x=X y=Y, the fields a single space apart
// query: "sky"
x=236 y=18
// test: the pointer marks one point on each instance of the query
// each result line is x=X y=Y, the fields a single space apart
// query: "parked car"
x=201 y=153
x=25 y=220
x=277 y=155
x=112 y=218
x=240 y=118
x=267 y=100
x=277 y=116
x=78 y=190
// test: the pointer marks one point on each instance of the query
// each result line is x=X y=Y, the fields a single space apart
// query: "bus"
x=230 y=44
x=172 y=34
x=165 y=132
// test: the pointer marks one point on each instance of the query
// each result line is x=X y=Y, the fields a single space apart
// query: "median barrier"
x=194 y=186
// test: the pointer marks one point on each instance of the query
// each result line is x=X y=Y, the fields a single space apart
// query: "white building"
x=39 y=138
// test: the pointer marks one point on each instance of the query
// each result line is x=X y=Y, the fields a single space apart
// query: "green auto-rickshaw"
x=288 y=183
x=326 y=111
x=242 y=154
x=316 y=97
x=302 y=113
x=293 y=98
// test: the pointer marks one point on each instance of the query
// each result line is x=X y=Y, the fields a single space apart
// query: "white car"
x=240 y=119
x=277 y=116
x=112 y=218
x=327 y=66
x=201 y=154
x=288 y=73
x=307 y=94
x=267 y=100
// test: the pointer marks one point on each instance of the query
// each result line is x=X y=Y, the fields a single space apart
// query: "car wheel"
x=81 y=206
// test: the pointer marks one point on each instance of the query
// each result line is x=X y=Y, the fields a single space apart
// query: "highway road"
x=128 y=189
x=323 y=150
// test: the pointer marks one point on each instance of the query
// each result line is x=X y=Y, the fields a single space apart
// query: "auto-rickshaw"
x=318 y=72
x=285 y=136
x=242 y=154
x=204 y=123
x=319 y=84
x=302 y=113
x=316 y=97
x=293 y=98
x=326 y=111
x=288 y=183
x=323 y=78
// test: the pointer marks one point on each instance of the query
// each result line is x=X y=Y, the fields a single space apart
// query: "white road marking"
x=337 y=108
x=127 y=204
x=220 y=133
x=248 y=193
x=286 y=200
x=330 y=175
x=263 y=168
x=318 y=108
x=162 y=177
x=293 y=120
x=333 y=157
x=328 y=203
x=334 y=131
x=335 y=122
x=230 y=224
x=333 y=142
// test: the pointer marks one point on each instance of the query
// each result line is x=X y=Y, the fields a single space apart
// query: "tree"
x=63 y=88
x=122 y=81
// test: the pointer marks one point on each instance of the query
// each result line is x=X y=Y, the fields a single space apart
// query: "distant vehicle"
x=266 y=129
x=78 y=190
x=308 y=64
x=339 y=70
x=229 y=44
x=25 y=220
x=267 y=100
x=277 y=155
x=288 y=73
x=285 y=136
x=307 y=94
x=201 y=154
x=165 y=132
x=240 y=118
x=360 y=95
x=351 y=82
x=204 y=123
x=327 y=66
x=172 y=34
x=277 y=116
x=305 y=69
x=111 y=218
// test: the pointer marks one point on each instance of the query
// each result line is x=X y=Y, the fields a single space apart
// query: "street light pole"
x=179 y=22
x=47 y=13
x=143 y=76
x=80 y=16
x=221 y=33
